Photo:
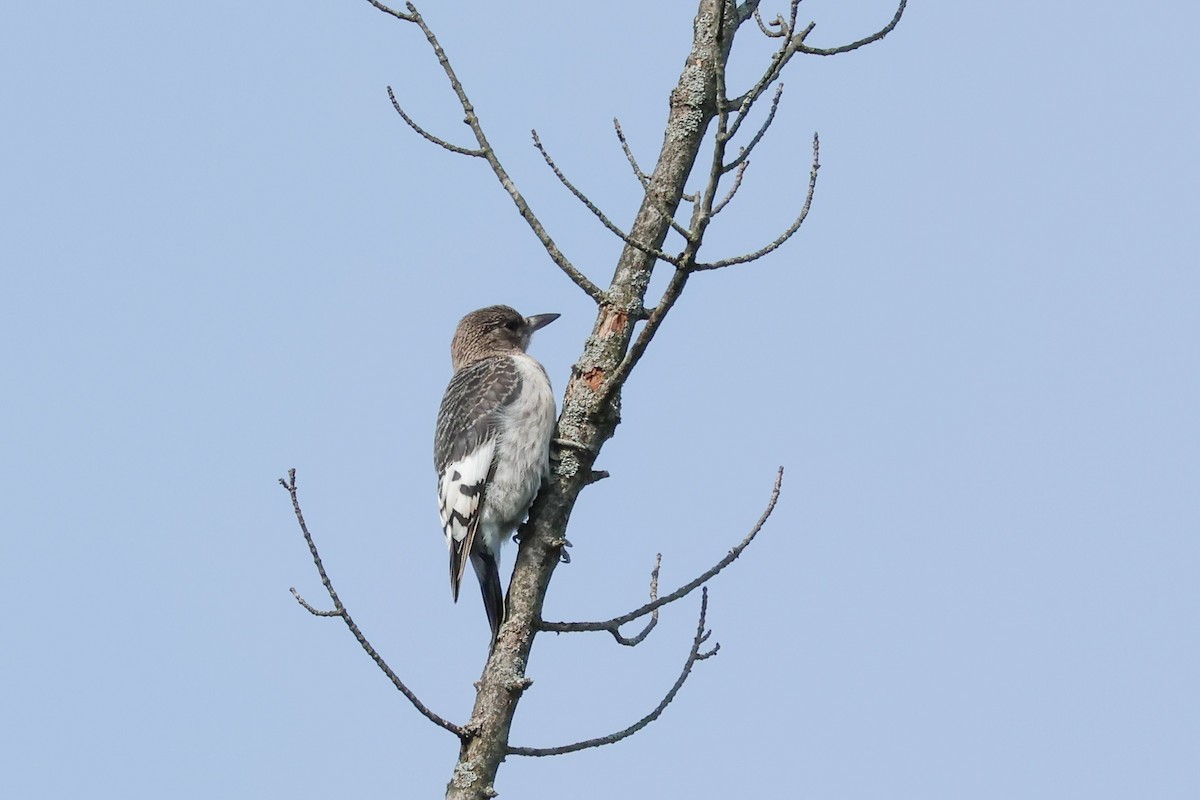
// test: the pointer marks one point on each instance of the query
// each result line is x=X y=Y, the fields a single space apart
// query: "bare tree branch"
x=604 y=220
x=694 y=655
x=737 y=184
x=636 y=640
x=746 y=10
x=783 y=237
x=642 y=177
x=594 y=476
x=793 y=13
x=453 y=148
x=339 y=610
x=392 y=11
x=682 y=231
x=616 y=622
x=486 y=152
x=702 y=214
x=775 y=23
x=745 y=151
x=846 y=48
x=310 y=608
x=788 y=48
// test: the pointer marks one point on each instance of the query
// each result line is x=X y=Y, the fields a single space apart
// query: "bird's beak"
x=539 y=321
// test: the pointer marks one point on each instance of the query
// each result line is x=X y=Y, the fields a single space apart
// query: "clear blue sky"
x=224 y=255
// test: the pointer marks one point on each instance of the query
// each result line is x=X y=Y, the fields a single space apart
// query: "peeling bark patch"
x=594 y=378
x=616 y=321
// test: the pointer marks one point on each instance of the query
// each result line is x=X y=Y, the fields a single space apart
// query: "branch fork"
x=340 y=610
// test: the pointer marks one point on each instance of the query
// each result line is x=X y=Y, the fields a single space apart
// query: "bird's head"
x=494 y=330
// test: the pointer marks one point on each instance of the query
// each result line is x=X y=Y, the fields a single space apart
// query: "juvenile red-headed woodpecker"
x=492 y=446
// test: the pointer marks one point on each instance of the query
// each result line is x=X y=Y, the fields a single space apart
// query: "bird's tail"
x=458 y=553
x=488 y=573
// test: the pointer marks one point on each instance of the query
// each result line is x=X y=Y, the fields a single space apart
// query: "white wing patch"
x=460 y=489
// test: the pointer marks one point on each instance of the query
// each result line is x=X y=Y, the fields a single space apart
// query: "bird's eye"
x=513 y=324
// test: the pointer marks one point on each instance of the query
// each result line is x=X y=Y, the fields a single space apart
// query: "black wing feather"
x=468 y=418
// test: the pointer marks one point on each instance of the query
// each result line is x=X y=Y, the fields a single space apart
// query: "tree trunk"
x=591 y=411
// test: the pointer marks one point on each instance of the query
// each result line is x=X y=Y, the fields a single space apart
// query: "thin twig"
x=316 y=612
x=788 y=48
x=453 y=148
x=675 y=226
x=694 y=655
x=604 y=220
x=392 y=11
x=636 y=640
x=683 y=591
x=737 y=184
x=783 y=237
x=775 y=23
x=846 y=48
x=793 y=13
x=596 y=475
x=642 y=177
x=702 y=214
x=339 y=610
x=745 y=151
x=486 y=152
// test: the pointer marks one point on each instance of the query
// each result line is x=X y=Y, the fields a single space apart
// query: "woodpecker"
x=492 y=446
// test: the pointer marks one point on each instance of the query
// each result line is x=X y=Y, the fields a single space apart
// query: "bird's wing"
x=464 y=447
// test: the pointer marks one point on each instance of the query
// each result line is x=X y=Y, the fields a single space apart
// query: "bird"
x=492 y=444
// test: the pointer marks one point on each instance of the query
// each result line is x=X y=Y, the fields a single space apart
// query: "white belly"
x=522 y=456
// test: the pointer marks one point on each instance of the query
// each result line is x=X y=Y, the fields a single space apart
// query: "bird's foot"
x=563 y=556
